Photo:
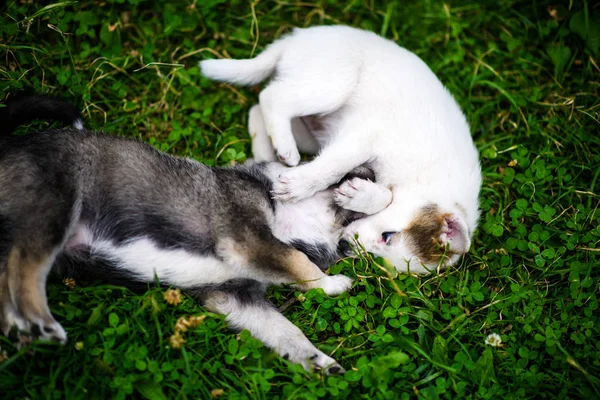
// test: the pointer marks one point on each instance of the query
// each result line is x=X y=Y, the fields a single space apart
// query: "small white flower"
x=493 y=339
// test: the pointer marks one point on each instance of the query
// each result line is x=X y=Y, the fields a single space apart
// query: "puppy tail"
x=25 y=108
x=244 y=72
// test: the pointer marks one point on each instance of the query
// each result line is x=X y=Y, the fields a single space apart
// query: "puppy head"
x=419 y=241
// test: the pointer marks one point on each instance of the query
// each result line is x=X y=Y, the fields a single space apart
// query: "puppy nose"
x=344 y=247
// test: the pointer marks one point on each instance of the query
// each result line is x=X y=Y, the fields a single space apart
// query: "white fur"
x=362 y=196
x=142 y=258
x=374 y=102
x=311 y=220
x=307 y=220
x=248 y=72
x=334 y=285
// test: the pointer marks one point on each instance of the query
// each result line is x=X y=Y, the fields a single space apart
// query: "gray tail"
x=25 y=108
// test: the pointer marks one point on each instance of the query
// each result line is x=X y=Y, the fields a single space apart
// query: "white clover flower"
x=493 y=339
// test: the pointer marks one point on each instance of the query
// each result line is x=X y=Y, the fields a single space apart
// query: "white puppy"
x=357 y=98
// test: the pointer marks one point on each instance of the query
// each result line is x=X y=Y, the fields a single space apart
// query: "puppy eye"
x=387 y=236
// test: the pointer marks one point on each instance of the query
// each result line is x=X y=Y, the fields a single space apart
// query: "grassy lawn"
x=527 y=75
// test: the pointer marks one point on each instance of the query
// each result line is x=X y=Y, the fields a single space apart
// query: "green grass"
x=527 y=76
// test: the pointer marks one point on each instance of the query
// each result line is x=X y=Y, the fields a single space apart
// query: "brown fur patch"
x=280 y=260
x=272 y=260
x=303 y=271
x=423 y=234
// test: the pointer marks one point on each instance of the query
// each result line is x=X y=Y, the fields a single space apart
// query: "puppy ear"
x=455 y=233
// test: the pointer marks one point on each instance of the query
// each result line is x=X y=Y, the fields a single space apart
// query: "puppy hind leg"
x=27 y=271
x=257 y=315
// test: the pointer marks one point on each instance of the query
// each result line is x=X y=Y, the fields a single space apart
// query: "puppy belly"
x=143 y=260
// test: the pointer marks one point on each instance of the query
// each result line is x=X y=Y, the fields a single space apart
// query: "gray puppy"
x=100 y=206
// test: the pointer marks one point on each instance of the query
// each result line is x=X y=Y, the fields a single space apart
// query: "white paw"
x=362 y=196
x=286 y=149
x=49 y=331
x=336 y=284
x=322 y=362
x=25 y=330
x=348 y=193
x=291 y=186
x=311 y=358
x=290 y=157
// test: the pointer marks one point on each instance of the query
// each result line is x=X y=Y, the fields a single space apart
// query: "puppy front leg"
x=244 y=310
x=334 y=162
x=305 y=275
x=285 y=265
x=363 y=196
x=271 y=261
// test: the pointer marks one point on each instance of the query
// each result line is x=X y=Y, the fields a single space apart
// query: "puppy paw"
x=286 y=148
x=362 y=196
x=290 y=157
x=322 y=362
x=311 y=358
x=49 y=331
x=292 y=187
x=23 y=330
x=336 y=284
